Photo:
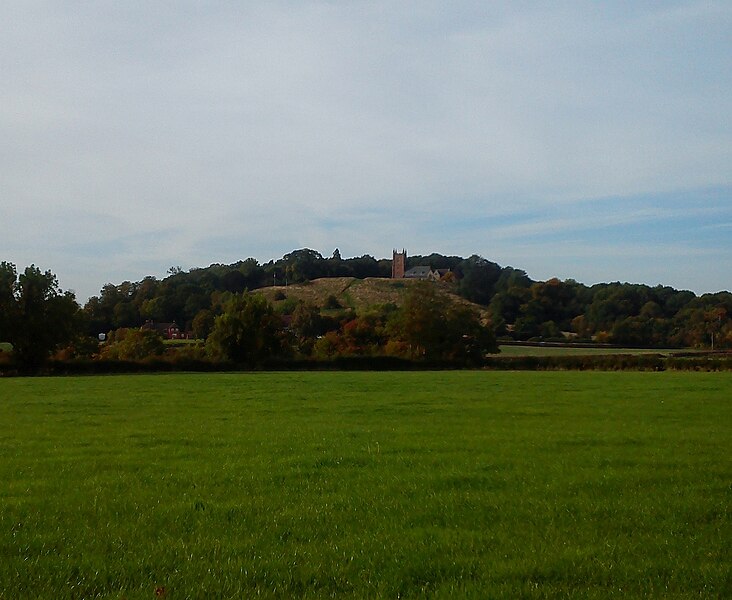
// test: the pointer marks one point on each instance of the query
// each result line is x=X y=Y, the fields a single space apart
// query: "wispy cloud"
x=594 y=219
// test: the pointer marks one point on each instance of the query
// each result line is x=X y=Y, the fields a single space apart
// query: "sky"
x=583 y=140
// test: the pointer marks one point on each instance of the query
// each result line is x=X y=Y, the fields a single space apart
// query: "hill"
x=357 y=294
x=518 y=307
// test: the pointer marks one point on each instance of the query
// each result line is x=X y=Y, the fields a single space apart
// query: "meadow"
x=518 y=350
x=460 y=484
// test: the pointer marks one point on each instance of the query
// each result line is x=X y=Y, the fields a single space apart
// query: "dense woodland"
x=519 y=308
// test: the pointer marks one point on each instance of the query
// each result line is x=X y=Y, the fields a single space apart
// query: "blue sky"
x=581 y=140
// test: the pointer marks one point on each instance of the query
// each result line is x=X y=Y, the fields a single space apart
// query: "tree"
x=364 y=335
x=479 y=279
x=304 y=265
x=234 y=281
x=36 y=317
x=466 y=337
x=434 y=327
x=134 y=344
x=420 y=319
x=203 y=323
x=306 y=325
x=507 y=305
x=126 y=315
x=248 y=331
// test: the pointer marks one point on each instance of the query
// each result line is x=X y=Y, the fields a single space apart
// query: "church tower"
x=398 y=264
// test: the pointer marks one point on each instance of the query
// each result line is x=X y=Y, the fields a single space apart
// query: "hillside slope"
x=359 y=294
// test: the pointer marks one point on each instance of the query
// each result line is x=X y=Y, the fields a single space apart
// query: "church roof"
x=418 y=273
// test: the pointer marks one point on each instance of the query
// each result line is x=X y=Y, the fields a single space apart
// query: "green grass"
x=511 y=350
x=183 y=343
x=365 y=485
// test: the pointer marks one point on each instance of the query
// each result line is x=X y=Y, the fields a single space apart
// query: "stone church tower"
x=398 y=264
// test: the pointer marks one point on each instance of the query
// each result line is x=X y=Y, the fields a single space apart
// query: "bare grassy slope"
x=359 y=294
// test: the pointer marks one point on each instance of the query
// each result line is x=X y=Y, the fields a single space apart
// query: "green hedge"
x=610 y=362
x=616 y=362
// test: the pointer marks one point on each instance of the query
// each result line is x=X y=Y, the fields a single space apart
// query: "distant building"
x=170 y=331
x=399 y=265
x=422 y=273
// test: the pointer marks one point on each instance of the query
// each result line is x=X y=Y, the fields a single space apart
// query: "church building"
x=399 y=269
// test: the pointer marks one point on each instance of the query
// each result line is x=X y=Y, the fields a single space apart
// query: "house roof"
x=159 y=326
x=418 y=273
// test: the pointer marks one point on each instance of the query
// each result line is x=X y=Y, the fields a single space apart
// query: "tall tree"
x=479 y=279
x=36 y=317
x=248 y=331
x=433 y=327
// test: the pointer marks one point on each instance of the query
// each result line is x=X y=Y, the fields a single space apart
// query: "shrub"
x=287 y=306
x=134 y=345
x=331 y=302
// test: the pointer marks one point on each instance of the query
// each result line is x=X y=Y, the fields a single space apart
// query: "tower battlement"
x=398 y=264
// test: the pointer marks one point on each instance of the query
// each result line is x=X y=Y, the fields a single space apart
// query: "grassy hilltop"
x=359 y=294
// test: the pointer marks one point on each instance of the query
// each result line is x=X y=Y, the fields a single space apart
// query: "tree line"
x=38 y=319
x=519 y=307
x=201 y=300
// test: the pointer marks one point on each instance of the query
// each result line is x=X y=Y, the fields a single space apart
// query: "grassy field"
x=512 y=350
x=365 y=485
